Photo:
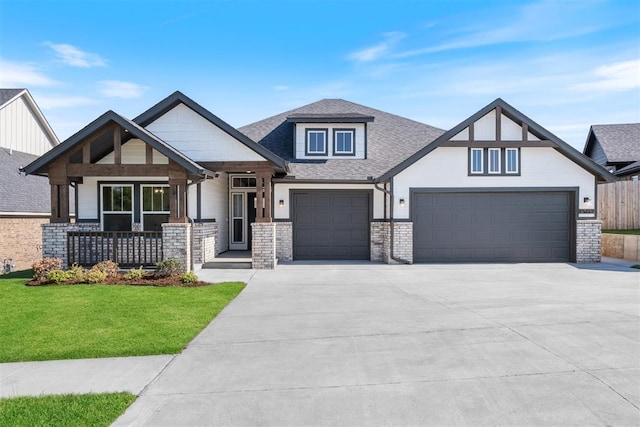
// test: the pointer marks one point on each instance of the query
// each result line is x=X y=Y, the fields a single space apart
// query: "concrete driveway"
x=372 y=344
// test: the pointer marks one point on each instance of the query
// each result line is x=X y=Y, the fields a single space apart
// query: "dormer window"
x=343 y=142
x=316 y=142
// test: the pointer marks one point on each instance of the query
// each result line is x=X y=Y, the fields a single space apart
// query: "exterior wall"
x=263 y=255
x=176 y=243
x=485 y=129
x=402 y=242
x=54 y=238
x=588 y=241
x=20 y=129
x=300 y=139
x=134 y=152
x=281 y=192
x=205 y=236
x=447 y=167
x=215 y=206
x=21 y=240
x=284 y=241
x=199 y=139
x=622 y=246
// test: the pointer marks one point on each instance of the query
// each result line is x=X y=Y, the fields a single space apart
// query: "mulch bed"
x=148 y=279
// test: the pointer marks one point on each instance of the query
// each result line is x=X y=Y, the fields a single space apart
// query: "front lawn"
x=87 y=321
x=64 y=410
x=636 y=232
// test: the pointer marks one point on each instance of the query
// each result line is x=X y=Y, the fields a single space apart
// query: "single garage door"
x=493 y=227
x=331 y=225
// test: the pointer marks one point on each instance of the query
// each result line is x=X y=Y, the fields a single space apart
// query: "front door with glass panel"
x=242 y=199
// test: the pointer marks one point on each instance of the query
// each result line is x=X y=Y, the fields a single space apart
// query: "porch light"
x=281 y=203
x=401 y=202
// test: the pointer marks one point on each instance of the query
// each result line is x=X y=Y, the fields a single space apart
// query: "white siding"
x=197 y=138
x=300 y=139
x=510 y=130
x=20 y=129
x=281 y=192
x=485 y=127
x=215 y=205
x=133 y=152
x=446 y=167
x=463 y=135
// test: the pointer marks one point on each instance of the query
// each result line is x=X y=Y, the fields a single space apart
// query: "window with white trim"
x=343 y=142
x=155 y=206
x=494 y=160
x=117 y=207
x=316 y=142
x=477 y=160
x=511 y=160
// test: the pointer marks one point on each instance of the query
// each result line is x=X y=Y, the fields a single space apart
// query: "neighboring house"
x=24 y=200
x=616 y=147
x=332 y=180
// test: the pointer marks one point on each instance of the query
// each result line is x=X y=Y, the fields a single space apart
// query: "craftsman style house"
x=332 y=180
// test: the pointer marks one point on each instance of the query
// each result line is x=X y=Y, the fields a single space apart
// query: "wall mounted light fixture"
x=587 y=200
x=401 y=202
x=281 y=203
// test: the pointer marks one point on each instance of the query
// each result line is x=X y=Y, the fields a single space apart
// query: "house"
x=616 y=147
x=25 y=134
x=332 y=180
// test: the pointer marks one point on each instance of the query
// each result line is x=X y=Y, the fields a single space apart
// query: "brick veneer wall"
x=284 y=241
x=176 y=243
x=263 y=255
x=21 y=240
x=380 y=240
x=205 y=242
x=54 y=238
x=588 y=240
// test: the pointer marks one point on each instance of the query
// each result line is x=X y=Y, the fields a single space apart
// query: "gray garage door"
x=331 y=225
x=493 y=227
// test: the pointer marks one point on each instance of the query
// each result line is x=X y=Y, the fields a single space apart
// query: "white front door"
x=242 y=211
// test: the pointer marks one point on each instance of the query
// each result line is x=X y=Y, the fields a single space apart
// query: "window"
x=512 y=160
x=343 y=142
x=243 y=182
x=494 y=160
x=117 y=207
x=155 y=206
x=477 y=160
x=316 y=142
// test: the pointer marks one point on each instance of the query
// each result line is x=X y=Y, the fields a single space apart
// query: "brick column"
x=588 y=240
x=284 y=241
x=176 y=243
x=205 y=236
x=403 y=241
x=54 y=238
x=263 y=255
x=379 y=244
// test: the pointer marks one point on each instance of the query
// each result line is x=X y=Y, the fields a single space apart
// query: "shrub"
x=169 y=267
x=135 y=274
x=189 y=277
x=58 y=276
x=44 y=266
x=77 y=273
x=109 y=268
x=95 y=275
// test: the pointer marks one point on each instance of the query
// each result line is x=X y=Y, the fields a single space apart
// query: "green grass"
x=87 y=321
x=636 y=232
x=64 y=410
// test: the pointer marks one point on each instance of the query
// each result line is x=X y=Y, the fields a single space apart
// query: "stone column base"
x=588 y=240
x=263 y=253
x=176 y=243
x=284 y=241
x=381 y=242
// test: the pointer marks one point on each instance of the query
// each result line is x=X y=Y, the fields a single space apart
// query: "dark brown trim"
x=79 y=170
x=148 y=154
x=199 y=201
x=117 y=146
x=481 y=144
x=499 y=123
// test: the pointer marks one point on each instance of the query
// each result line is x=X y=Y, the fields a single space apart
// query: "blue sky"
x=566 y=64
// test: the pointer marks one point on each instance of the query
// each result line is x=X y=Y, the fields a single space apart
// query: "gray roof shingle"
x=7 y=94
x=390 y=140
x=20 y=193
x=620 y=142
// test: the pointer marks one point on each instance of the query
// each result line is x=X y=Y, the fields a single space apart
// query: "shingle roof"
x=7 y=94
x=620 y=142
x=629 y=169
x=390 y=140
x=20 y=193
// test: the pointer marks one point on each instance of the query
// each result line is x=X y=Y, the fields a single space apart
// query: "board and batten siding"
x=281 y=192
x=20 y=129
x=214 y=195
x=199 y=139
x=447 y=167
x=300 y=139
x=134 y=153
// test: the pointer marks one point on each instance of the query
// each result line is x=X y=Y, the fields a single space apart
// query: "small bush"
x=95 y=275
x=77 y=274
x=169 y=267
x=189 y=277
x=109 y=268
x=135 y=274
x=58 y=276
x=44 y=266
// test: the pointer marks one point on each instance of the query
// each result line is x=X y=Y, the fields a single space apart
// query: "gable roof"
x=178 y=97
x=8 y=95
x=19 y=193
x=628 y=170
x=390 y=140
x=40 y=165
x=564 y=148
x=620 y=142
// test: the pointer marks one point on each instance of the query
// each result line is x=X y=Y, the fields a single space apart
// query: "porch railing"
x=127 y=248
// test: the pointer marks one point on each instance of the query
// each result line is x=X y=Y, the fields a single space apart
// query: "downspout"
x=192 y=264
x=392 y=221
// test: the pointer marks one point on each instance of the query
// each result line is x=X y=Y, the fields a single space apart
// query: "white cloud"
x=377 y=51
x=14 y=74
x=281 y=88
x=75 y=57
x=618 y=76
x=50 y=102
x=120 y=89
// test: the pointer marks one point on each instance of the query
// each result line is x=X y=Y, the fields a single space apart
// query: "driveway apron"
x=370 y=344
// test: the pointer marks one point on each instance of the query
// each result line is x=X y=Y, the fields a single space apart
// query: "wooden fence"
x=619 y=205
